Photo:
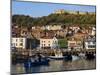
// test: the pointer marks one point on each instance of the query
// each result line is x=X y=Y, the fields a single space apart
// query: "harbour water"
x=57 y=65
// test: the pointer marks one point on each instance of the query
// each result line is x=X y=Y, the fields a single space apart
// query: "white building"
x=19 y=42
x=48 y=42
x=75 y=28
x=52 y=27
x=90 y=43
x=61 y=11
x=93 y=31
x=75 y=44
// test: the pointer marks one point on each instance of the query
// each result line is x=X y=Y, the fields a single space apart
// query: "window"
x=21 y=40
x=44 y=44
x=13 y=44
x=91 y=46
x=16 y=44
x=16 y=40
x=48 y=44
x=53 y=41
x=49 y=41
x=89 y=42
x=21 y=44
x=93 y=42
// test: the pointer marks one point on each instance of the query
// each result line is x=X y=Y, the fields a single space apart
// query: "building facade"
x=75 y=44
x=24 y=43
x=48 y=42
x=61 y=11
x=90 y=43
x=18 y=42
x=51 y=27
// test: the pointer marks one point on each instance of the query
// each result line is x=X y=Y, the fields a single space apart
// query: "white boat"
x=75 y=57
x=82 y=55
x=58 y=55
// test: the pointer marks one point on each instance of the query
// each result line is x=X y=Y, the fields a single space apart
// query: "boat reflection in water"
x=57 y=65
x=44 y=64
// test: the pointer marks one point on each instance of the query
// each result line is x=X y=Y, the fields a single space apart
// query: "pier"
x=48 y=52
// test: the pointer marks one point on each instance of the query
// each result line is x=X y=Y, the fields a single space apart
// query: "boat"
x=74 y=57
x=36 y=60
x=43 y=61
x=57 y=58
x=58 y=55
x=82 y=55
x=90 y=55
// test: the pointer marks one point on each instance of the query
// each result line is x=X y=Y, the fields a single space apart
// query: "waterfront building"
x=18 y=42
x=90 y=43
x=24 y=43
x=48 y=42
x=74 y=44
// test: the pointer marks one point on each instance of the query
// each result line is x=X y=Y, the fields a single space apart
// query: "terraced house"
x=74 y=44
x=18 y=42
x=90 y=43
x=48 y=42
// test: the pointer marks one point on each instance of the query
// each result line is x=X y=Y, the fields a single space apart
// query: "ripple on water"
x=59 y=65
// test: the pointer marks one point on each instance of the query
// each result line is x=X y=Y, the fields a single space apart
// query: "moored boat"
x=58 y=55
x=36 y=60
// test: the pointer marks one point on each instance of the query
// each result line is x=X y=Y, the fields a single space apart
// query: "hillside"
x=54 y=19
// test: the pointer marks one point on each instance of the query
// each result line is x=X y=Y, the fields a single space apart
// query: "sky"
x=37 y=9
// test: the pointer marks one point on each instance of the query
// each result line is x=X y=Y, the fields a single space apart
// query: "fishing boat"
x=40 y=60
x=58 y=55
x=36 y=60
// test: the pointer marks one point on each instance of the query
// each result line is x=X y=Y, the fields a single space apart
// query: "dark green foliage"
x=62 y=43
x=66 y=19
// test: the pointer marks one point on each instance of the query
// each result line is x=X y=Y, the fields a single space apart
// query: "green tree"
x=62 y=43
